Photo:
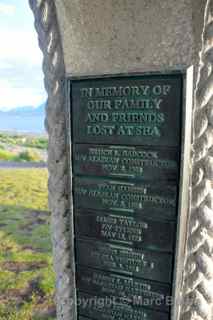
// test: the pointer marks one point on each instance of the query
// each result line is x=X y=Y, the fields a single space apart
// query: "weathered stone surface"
x=120 y=36
x=109 y=36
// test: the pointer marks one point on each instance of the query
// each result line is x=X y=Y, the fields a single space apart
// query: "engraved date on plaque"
x=126 y=147
x=134 y=262
x=132 y=230
x=149 y=199
x=136 y=291
x=126 y=162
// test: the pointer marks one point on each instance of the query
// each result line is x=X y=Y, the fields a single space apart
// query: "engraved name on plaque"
x=127 y=142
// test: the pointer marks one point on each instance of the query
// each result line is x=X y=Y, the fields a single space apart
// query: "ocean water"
x=24 y=123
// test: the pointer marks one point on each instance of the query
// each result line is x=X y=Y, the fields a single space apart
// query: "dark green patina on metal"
x=143 y=110
x=130 y=229
x=126 y=134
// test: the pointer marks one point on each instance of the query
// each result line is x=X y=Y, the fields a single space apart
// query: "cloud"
x=19 y=46
x=12 y=97
x=5 y=65
x=7 y=9
x=21 y=77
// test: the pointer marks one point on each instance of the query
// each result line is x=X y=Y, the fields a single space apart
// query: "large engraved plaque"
x=128 y=139
x=128 y=111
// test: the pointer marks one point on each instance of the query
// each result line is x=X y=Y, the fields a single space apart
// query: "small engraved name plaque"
x=115 y=309
x=126 y=162
x=147 y=264
x=147 y=293
x=130 y=229
x=150 y=199
x=128 y=138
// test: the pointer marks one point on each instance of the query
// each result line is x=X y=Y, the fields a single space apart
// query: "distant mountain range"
x=23 y=119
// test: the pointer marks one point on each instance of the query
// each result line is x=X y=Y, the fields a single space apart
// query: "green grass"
x=24 y=187
x=25 y=141
x=26 y=273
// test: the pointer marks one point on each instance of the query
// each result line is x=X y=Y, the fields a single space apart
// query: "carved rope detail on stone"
x=199 y=265
x=198 y=279
x=54 y=71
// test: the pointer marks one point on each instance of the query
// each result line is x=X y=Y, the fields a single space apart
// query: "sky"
x=21 y=76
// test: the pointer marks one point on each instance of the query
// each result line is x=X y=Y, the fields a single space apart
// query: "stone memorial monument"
x=129 y=118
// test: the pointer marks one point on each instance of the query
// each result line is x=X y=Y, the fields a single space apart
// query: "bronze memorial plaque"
x=127 y=143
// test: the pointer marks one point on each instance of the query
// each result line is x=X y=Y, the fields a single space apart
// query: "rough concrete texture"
x=106 y=36
x=115 y=36
x=198 y=8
